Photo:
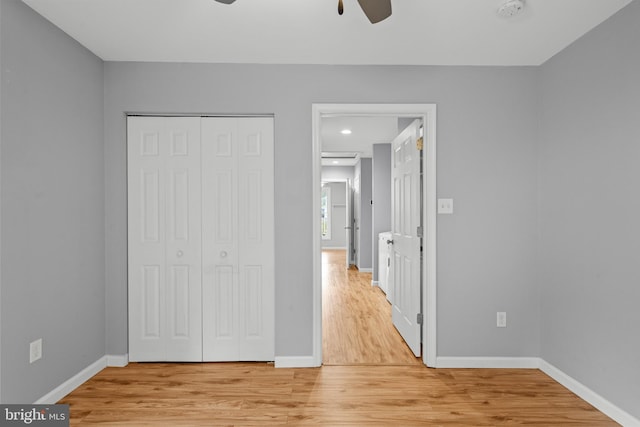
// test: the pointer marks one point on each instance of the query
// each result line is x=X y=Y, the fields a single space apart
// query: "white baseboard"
x=488 y=362
x=617 y=414
x=295 y=362
x=585 y=393
x=74 y=382
x=365 y=270
x=117 y=360
x=603 y=405
x=375 y=283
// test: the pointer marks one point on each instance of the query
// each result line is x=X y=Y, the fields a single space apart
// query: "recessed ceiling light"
x=346 y=131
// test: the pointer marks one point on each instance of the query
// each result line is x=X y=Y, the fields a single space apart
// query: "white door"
x=238 y=236
x=201 y=233
x=164 y=239
x=405 y=221
x=389 y=272
x=348 y=220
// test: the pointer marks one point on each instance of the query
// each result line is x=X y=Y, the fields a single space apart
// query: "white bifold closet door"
x=238 y=236
x=201 y=275
x=165 y=283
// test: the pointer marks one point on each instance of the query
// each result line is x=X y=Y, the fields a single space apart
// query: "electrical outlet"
x=35 y=350
x=445 y=206
x=502 y=319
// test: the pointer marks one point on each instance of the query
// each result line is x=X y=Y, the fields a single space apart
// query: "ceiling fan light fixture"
x=346 y=131
x=376 y=10
x=511 y=8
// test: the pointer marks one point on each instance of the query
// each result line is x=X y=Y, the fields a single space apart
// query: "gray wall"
x=589 y=242
x=487 y=124
x=337 y=216
x=52 y=200
x=1 y=97
x=381 y=217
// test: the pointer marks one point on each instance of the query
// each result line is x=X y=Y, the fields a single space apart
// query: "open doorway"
x=357 y=312
x=426 y=112
x=356 y=321
x=336 y=210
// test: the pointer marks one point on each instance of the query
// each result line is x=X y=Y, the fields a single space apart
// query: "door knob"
x=223 y=254
x=179 y=254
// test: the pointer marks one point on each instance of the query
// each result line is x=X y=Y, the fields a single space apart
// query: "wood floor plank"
x=356 y=318
x=240 y=394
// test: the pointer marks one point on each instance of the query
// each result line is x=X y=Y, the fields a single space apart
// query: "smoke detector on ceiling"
x=511 y=8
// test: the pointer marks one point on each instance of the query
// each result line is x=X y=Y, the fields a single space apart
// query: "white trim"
x=334 y=247
x=429 y=279
x=296 y=362
x=611 y=410
x=375 y=283
x=603 y=405
x=364 y=270
x=428 y=114
x=117 y=360
x=489 y=362
x=585 y=393
x=74 y=382
x=316 y=270
x=329 y=212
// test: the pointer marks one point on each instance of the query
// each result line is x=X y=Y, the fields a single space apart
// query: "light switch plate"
x=35 y=350
x=501 y=319
x=445 y=206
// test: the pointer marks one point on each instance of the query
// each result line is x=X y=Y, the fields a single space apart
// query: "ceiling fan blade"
x=225 y=1
x=340 y=7
x=376 y=10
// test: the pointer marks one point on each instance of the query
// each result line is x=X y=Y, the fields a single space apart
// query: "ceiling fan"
x=376 y=10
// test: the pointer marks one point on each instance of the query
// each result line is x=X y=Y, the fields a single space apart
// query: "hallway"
x=356 y=318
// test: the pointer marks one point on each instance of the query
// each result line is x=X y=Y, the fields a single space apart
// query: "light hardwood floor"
x=356 y=318
x=257 y=394
x=390 y=389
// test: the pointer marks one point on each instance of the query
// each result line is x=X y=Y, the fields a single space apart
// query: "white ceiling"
x=421 y=32
x=365 y=131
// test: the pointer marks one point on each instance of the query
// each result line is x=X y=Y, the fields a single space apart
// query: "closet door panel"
x=220 y=240
x=256 y=238
x=184 y=240
x=238 y=203
x=164 y=239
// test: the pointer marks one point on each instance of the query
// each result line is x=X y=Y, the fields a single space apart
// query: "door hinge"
x=419 y=319
x=419 y=231
x=388 y=262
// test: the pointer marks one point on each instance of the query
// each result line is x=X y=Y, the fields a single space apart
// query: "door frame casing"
x=348 y=217
x=427 y=112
